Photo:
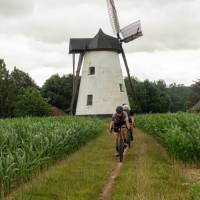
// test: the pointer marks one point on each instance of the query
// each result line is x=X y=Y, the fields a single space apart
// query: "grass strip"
x=29 y=145
x=179 y=133
x=149 y=174
x=81 y=176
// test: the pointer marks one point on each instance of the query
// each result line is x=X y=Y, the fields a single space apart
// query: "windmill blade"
x=113 y=16
x=132 y=32
x=133 y=91
x=73 y=85
x=76 y=82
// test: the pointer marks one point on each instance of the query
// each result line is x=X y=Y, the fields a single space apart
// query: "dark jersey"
x=128 y=113
x=120 y=119
x=129 y=116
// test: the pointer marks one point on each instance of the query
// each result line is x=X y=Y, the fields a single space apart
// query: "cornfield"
x=29 y=145
x=179 y=133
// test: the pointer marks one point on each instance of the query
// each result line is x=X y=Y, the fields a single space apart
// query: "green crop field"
x=179 y=133
x=29 y=145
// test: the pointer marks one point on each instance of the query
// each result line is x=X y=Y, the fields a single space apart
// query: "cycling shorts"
x=118 y=125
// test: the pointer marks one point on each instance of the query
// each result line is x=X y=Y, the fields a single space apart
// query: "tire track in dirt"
x=106 y=192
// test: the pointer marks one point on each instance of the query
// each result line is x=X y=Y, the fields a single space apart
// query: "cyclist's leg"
x=116 y=135
x=124 y=131
x=131 y=128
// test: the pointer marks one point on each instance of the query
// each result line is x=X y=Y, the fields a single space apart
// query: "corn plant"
x=179 y=133
x=28 y=145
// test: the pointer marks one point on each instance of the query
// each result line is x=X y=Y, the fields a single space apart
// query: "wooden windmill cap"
x=101 y=42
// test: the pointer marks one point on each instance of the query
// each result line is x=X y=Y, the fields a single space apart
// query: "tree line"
x=157 y=97
x=20 y=95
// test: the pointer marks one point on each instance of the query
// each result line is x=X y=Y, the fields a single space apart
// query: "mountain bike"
x=120 y=144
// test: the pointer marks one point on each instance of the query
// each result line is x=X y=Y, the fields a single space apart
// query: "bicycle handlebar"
x=120 y=127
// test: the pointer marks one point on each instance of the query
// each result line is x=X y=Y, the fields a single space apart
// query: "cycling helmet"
x=119 y=109
x=125 y=107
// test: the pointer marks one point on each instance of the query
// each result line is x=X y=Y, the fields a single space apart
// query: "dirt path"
x=80 y=176
x=149 y=174
x=106 y=192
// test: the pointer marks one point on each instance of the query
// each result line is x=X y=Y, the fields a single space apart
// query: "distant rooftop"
x=101 y=42
x=196 y=107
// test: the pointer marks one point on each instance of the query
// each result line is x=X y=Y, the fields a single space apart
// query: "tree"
x=195 y=96
x=59 y=91
x=156 y=97
x=6 y=91
x=31 y=103
x=152 y=96
x=179 y=97
x=21 y=80
x=138 y=94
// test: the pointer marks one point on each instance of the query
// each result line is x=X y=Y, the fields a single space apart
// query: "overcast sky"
x=34 y=36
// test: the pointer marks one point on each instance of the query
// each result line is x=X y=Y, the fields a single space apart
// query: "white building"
x=102 y=86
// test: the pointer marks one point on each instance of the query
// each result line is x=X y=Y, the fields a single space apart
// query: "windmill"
x=102 y=86
x=126 y=34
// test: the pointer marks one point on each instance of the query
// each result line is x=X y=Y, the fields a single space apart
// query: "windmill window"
x=89 y=100
x=121 y=87
x=91 y=70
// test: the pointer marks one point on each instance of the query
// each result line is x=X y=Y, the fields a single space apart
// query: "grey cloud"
x=171 y=25
x=14 y=8
x=70 y=2
x=59 y=24
x=151 y=3
x=38 y=42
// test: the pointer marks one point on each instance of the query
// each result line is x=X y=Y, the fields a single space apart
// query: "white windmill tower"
x=102 y=86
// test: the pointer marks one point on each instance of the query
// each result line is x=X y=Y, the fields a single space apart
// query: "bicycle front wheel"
x=120 y=148
x=128 y=138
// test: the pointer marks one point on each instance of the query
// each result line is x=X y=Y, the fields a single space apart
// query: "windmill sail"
x=132 y=31
x=113 y=16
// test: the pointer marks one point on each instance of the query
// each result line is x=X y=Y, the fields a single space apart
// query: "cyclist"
x=119 y=119
x=131 y=121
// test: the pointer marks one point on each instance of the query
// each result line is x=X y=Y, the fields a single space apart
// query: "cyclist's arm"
x=133 y=121
x=111 y=125
x=127 y=124
x=127 y=121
